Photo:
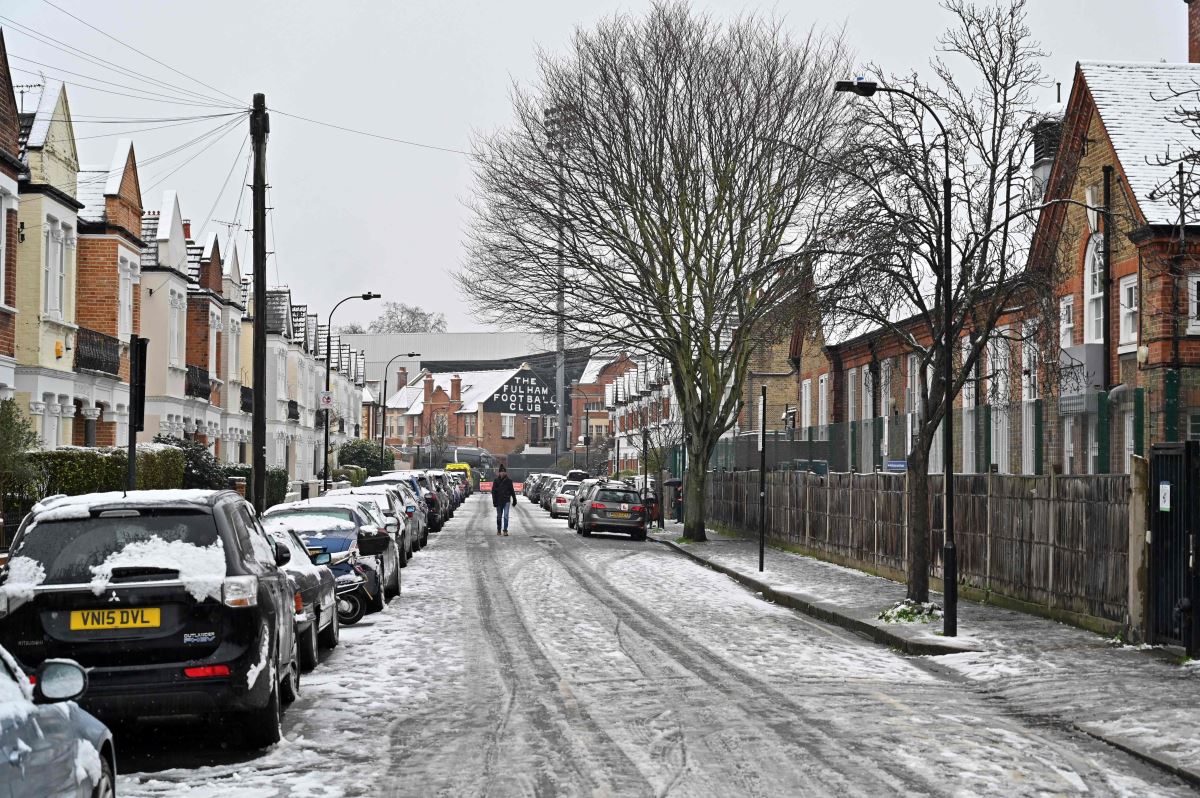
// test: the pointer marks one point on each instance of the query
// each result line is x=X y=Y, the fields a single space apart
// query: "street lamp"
x=328 y=363
x=868 y=88
x=383 y=400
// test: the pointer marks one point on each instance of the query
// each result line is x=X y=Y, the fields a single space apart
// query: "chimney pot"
x=187 y=229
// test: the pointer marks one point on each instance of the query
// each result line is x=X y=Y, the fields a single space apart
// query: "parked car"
x=422 y=489
x=544 y=480
x=175 y=601
x=581 y=494
x=613 y=508
x=577 y=475
x=527 y=487
x=445 y=488
x=562 y=498
x=317 y=624
x=390 y=506
x=359 y=576
x=49 y=745
x=374 y=540
x=546 y=496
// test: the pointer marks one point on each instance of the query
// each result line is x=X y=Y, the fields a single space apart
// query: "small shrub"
x=277 y=483
x=201 y=469
x=364 y=453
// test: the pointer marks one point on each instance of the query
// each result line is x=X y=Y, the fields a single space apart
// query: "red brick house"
x=108 y=306
x=10 y=169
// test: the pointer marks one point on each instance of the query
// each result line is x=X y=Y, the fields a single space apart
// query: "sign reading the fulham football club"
x=525 y=394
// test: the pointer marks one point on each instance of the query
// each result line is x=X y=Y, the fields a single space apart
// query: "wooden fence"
x=1061 y=543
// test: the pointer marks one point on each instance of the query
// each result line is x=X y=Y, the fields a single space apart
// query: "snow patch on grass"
x=909 y=611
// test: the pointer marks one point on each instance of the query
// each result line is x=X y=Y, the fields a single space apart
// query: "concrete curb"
x=832 y=614
x=1179 y=771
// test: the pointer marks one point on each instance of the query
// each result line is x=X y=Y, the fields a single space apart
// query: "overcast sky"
x=352 y=213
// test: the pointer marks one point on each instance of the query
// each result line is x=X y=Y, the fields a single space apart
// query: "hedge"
x=76 y=470
x=355 y=475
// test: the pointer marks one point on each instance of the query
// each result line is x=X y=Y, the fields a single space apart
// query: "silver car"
x=561 y=500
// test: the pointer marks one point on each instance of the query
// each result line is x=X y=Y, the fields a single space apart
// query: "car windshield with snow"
x=174 y=600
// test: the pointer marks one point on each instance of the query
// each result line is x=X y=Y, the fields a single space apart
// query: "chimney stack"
x=456 y=388
x=401 y=378
x=428 y=388
x=187 y=229
x=1193 y=31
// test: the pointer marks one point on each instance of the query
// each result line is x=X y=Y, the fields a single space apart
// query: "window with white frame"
x=1128 y=289
x=214 y=328
x=1029 y=364
x=868 y=394
x=1193 y=325
x=1091 y=197
x=508 y=425
x=968 y=413
x=125 y=299
x=805 y=404
x=1093 y=293
x=1068 y=428
x=469 y=425
x=1066 y=321
x=1193 y=427
x=174 y=338
x=52 y=239
x=913 y=393
x=823 y=400
x=851 y=391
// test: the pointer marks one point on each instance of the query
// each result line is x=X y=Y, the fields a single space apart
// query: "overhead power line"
x=409 y=142
x=143 y=54
x=105 y=63
x=64 y=71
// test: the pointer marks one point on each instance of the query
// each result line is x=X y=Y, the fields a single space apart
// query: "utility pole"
x=260 y=127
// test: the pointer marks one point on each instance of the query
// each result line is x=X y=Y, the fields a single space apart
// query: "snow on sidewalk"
x=1136 y=699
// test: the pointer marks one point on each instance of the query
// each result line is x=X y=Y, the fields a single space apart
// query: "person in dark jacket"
x=503 y=496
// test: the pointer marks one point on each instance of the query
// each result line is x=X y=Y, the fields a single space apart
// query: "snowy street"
x=549 y=664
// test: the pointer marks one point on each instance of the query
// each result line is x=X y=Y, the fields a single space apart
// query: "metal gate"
x=1174 y=522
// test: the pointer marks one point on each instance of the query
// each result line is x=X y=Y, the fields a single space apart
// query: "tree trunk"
x=918 y=524
x=695 y=482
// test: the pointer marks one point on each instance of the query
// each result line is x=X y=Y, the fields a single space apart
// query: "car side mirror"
x=320 y=557
x=392 y=524
x=59 y=680
x=283 y=554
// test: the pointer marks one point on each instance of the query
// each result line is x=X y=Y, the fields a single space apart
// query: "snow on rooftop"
x=1133 y=100
x=90 y=189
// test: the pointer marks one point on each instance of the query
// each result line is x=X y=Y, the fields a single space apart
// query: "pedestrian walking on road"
x=503 y=495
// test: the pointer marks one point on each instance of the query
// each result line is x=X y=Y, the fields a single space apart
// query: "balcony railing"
x=293 y=410
x=96 y=351
x=247 y=399
x=197 y=383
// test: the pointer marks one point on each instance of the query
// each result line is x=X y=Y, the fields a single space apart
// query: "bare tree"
x=398 y=317
x=669 y=208
x=353 y=328
x=890 y=276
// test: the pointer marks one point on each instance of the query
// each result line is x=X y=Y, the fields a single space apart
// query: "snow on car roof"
x=311 y=525
x=62 y=508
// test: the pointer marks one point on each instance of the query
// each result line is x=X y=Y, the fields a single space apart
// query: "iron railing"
x=95 y=351
x=247 y=399
x=197 y=383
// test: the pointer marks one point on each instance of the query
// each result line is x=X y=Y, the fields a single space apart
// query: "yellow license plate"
x=128 y=618
x=618 y=515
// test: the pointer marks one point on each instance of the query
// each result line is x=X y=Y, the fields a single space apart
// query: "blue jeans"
x=502 y=517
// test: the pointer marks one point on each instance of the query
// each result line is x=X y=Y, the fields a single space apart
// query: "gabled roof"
x=162 y=231
x=1133 y=101
x=35 y=127
x=90 y=190
x=10 y=125
x=476 y=387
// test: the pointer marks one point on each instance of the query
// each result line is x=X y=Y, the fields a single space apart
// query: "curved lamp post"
x=383 y=399
x=328 y=364
x=867 y=88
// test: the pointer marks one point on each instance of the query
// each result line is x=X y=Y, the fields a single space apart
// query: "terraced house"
x=47 y=238
x=10 y=169
x=108 y=310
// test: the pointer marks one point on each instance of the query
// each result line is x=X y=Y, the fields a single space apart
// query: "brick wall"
x=1193 y=31
x=98 y=285
x=8 y=323
x=198 y=331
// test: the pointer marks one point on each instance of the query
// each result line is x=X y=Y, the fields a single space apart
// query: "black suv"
x=174 y=600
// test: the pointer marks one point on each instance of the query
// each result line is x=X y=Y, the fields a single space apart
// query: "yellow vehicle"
x=466 y=469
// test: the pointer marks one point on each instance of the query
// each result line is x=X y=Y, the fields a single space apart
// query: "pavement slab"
x=1136 y=698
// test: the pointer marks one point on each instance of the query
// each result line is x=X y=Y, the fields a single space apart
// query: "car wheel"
x=587 y=533
x=350 y=608
x=260 y=727
x=328 y=637
x=639 y=535
x=308 y=647
x=106 y=784
x=290 y=684
x=394 y=588
x=570 y=521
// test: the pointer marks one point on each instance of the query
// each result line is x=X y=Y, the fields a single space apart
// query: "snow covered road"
x=549 y=664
